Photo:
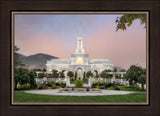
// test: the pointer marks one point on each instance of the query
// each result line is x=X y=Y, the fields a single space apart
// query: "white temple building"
x=79 y=62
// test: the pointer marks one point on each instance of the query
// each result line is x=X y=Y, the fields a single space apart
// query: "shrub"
x=79 y=83
x=98 y=87
x=52 y=82
x=130 y=88
x=110 y=88
x=108 y=85
x=116 y=88
x=72 y=80
x=85 y=80
x=40 y=75
x=49 y=76
x=23 y=87
x=42 y=87
x=58 y=87
x=49 y=87
x=61 y=84
x=94 y=85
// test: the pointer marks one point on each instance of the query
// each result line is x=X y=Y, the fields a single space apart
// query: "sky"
x=56 y=35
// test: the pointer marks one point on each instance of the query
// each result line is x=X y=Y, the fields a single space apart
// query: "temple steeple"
x=79 y=49
x=80 y=29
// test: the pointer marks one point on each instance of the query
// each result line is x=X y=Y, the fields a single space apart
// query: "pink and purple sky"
x=57 y=35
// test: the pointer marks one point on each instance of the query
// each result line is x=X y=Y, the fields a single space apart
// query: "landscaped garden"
x=63 y=93
x=22 y=96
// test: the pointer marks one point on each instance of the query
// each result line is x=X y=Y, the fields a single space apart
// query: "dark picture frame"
x=13 y=39
x=5 y=84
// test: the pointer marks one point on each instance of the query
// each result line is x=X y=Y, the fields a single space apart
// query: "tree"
x=44 y=70
x=55 y=73
x=16 y=77
x=84 y=75
x=108 y=70
x=97 y=75
x=75 y=75
x=17 y=62
x=133 y=73
x=70 y=74
x=123 y=70
x=127 y=19
x=142 y=80
x=32 y=81
x=115 y=70
x=104 y=74
x=22 y=76
x=61 y=75
x=89 y=74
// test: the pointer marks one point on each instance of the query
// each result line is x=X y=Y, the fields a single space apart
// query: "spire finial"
x=80 y=29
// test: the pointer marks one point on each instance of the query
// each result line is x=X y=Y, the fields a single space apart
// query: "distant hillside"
x=118 y=68
x=36 y=61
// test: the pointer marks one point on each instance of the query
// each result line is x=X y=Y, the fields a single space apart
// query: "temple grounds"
x=33 y=96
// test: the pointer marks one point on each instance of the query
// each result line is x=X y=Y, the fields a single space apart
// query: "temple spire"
x=80 y=49
x=80 y=29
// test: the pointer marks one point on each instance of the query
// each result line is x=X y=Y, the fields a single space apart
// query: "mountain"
x=35 y=61
x=118 y=68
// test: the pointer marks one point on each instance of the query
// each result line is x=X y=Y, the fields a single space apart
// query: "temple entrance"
x=79 y=73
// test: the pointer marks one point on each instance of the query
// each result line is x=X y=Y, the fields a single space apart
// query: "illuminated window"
x=79 y=61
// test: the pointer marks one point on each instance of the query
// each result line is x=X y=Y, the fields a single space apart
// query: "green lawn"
x=27 y=97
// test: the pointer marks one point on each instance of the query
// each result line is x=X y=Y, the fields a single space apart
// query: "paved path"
x=56 y=92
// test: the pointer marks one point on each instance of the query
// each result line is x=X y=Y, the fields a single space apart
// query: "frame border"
x=13 y=13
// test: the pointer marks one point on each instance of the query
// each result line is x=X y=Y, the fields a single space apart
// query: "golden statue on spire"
x=80 y=29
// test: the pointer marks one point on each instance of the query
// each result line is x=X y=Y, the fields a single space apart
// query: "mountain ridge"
x=38 y=60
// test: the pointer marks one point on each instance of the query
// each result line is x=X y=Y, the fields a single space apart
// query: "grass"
x=27 y=97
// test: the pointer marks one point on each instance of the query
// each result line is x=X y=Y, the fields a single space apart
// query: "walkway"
x=56 y=92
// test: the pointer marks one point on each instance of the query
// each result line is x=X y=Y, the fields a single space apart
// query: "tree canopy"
x=55 y=73
x=104 y=74
x=127 y=19
x=89 y=74
x=16 y=58
x=21 y=75
x=142 y=80
x=70 y=74
x=61 y=75
x=32 y=75
x=134 y=73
